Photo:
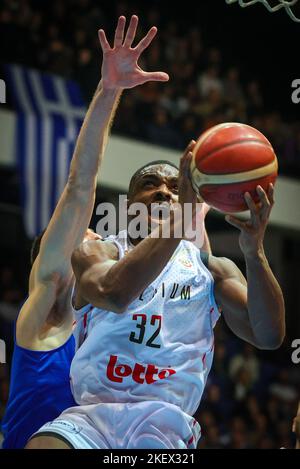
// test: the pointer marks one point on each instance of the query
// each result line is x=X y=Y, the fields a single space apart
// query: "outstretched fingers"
x=266 y=202
x=146 y=41
x=253 y=207
x=155 y=76
x=119 y=33
x=271 y=199
x=103 y=41
x=131 y=32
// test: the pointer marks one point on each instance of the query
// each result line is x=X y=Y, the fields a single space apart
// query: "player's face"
x=156 y=184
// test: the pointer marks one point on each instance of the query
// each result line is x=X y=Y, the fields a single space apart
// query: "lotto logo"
x=140 y=373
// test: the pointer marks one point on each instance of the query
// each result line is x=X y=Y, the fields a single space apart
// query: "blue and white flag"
x=50 y=113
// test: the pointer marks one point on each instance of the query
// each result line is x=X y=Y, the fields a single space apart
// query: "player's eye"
x=147 y=183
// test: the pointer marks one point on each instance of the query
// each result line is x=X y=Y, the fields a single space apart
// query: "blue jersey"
x=39 y=391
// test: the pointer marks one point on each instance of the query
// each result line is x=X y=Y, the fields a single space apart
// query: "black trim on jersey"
x=204 y=258
x=53 y=435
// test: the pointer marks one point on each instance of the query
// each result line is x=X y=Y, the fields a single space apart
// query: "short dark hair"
x=35 y=247
x=151 y=163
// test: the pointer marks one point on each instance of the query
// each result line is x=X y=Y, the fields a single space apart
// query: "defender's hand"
x=253 y=230
x=120 y=69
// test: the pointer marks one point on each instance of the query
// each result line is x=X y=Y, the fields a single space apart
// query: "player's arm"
x=52 y=268
x=73 y=212
x=254 y=310
x=112 y=285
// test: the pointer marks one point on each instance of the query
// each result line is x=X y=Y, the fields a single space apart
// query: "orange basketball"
x=229 y=160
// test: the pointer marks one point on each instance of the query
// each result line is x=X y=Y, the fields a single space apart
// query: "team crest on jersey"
x=186 y=262
x=183 y=257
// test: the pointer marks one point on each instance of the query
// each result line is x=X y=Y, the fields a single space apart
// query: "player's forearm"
x=92 y=139
x=265 y=302
x=131 y=275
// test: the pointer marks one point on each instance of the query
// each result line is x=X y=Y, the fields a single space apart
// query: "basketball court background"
x=251 y=396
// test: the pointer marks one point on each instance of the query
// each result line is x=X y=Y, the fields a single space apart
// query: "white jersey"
x=161 y=348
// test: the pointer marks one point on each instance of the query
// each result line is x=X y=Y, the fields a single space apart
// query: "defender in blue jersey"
x=39 y=389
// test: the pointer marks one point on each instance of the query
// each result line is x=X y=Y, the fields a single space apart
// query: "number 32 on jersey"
x=144 y=323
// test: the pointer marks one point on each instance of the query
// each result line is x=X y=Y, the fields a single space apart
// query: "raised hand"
x=253 y=230
x=120 y=69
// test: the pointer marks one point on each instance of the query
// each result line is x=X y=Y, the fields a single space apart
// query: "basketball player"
x=139 y=375
x=44 y=344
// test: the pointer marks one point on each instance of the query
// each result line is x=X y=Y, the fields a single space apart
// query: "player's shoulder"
x=222 y=267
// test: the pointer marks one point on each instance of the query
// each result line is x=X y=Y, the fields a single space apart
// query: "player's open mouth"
x=159 y=210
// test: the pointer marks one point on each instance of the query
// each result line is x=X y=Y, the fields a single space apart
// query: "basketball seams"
x=233 y=200
x=225 y=125
x=201 y=179
x=234 y=143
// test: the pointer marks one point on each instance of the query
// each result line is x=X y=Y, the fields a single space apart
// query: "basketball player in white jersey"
x=46 y=319
x=152 y=304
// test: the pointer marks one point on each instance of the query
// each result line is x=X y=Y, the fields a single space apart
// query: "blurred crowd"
x=250 y=399
x=206 y=88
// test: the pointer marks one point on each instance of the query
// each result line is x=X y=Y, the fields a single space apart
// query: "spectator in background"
x=86 y=72
x=211 y=106
x=238 y=436
x=160 y=131
x=246 y=361
x=189 y=128
x=210 y=81
x=254 y=99
x=282 y=389
x=233 y=91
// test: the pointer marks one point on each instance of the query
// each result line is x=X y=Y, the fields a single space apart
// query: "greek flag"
x=50 y=111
